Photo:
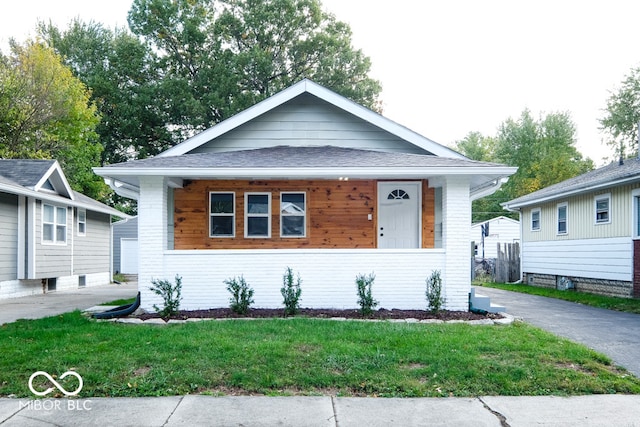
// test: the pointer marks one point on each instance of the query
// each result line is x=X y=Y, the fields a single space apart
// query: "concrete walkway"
x=612 y=333
x=584 y=411
x=58 y=302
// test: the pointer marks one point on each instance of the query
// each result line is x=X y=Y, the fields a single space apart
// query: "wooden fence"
x=508 y=263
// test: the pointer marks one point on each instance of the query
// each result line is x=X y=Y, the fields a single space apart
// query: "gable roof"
x=612 y=175
x=308 y=87
x=498 y=218
x=27 y=177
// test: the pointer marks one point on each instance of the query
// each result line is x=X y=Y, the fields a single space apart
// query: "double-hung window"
x=82 y=222
x=562 y=218
x=602 y=208
x=535 y=219
x=54 y=224
x=257 y=218
x=293 y=214
x=222 y=214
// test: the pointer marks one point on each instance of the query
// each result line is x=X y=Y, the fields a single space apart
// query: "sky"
x=451 y=67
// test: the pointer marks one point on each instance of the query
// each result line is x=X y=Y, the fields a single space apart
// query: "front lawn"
x=302 y=356
x=629 y=305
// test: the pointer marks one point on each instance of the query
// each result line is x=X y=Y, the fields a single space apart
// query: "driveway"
x=612 y=333
x=52 y=303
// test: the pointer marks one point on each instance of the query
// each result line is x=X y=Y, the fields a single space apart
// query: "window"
x=222 y=214
x=397 y=195
x=562 y=218
x=602 y=203
x=293 y=212
x=257 y=218
x=636 y=213
x=54 y=224
x=535 y=219
x=82 y=222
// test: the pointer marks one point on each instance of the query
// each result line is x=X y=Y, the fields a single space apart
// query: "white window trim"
x=595 y=208
x=55 y=225
x=255 y=215
x=566 y=206
x=233 y=221
x=82 y=233
x=635 y=200
x=306 y=210
x=539 y=211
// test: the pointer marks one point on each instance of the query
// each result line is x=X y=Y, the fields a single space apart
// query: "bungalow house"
x=584 y=232
x=52 y=237
x=310 y=180
x=487 y=235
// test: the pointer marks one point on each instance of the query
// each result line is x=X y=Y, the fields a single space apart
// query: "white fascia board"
x=326 y=95
x=517 y=206
x=56 y=170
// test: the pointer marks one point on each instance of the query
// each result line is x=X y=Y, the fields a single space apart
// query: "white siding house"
x=583 y=233
x=501 y=230
x=52 y=237
x=309 y=180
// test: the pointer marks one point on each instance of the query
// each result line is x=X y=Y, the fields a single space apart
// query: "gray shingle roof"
x=300 y=157
x=610 y=174
x=25 y=173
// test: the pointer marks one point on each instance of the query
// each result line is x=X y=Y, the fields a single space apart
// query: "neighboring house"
x=52 y=237
x=125 y=246
x=310 y=180
x=584 y=232
x=499 y=230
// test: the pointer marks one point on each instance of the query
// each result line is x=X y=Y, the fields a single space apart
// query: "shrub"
x=170 y=293
x=435 y=300
x=365 y=298
x=241 y=295
x=291 y=292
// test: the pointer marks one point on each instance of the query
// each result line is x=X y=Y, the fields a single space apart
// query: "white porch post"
x=456 y=235
x=152 y=236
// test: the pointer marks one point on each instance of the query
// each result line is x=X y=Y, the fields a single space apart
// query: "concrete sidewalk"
x=58 y=302
x=602 y=410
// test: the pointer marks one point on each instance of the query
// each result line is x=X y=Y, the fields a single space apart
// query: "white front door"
x=399 y=215
x=128 y=256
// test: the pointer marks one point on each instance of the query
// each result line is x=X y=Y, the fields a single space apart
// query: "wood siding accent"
x=8 y=236
x=337 y=215
x=428 y=216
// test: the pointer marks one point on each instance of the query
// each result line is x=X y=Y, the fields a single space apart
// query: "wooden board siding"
x=337 y=215
x=428 y=216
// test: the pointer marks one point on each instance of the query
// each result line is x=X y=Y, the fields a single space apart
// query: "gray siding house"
x=584 y=232
x=52 y=237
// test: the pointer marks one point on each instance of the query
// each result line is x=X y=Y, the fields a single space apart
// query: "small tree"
x=365 y=297
x=291 y=292
x=170 y=294
x=435 y=300
x=241 y=295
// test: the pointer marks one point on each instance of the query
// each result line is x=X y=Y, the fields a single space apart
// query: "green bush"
x=435 y=300
x=365 y=297
x=170 y=294
x=291 y=292
x=241 y=295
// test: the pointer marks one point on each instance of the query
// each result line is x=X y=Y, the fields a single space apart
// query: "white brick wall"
x=456 y=229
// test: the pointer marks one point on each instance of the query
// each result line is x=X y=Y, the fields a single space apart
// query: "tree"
x=622 y=116
x=543 y=150
x=45 y=112
x=221 y=57
x=476 y=147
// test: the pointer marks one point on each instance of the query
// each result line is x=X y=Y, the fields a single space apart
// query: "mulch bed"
x=382 y=314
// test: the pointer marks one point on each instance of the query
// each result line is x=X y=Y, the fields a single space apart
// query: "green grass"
x=302 y=357
x=629 y=305
x=119 y=302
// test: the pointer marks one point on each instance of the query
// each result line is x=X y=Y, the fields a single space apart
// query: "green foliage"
x=171 y=296
x=622 y=116
x=46 y=113
x=291 y=292
x=241 y=295
x=435 y=299
x=365 y=296
x=339 y=358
